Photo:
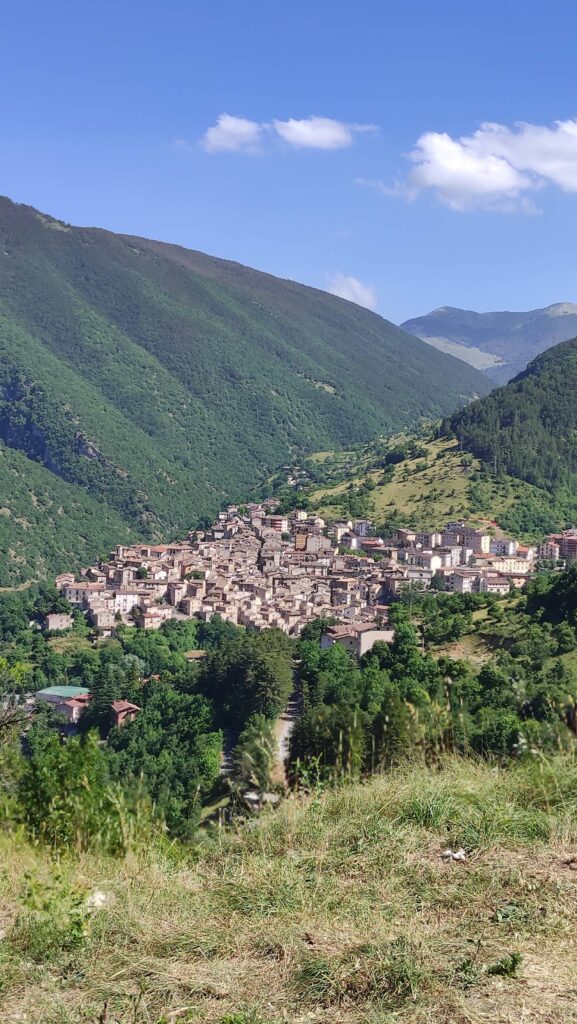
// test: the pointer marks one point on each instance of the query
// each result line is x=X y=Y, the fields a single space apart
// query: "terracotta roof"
x=124 y=705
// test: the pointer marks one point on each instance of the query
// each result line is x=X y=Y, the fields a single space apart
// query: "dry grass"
x=470 y=647
x=71 y=644
x=429 y=490
x=337 y=909
x=427 y=493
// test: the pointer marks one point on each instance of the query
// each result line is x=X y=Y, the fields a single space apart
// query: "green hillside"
x=527 y=430
x=509 y=457
x=419 y=482
x=160 y=381
x=47 y=523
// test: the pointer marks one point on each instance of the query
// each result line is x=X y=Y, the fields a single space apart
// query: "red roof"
x=124 y=705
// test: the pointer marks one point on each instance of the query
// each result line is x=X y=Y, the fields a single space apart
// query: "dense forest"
x=158 y=382
x=527 y=429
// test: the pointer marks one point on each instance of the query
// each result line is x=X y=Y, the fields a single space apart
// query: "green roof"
x=63 y=691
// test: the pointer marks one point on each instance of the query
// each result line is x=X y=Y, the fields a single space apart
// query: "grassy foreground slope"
x=161 y=382
x=339 y=908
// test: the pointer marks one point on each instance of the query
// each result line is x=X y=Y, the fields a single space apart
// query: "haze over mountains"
x=501 y=344
x=141 y=384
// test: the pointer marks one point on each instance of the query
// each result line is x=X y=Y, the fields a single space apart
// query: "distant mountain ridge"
x=156 y=382
x=500 y=343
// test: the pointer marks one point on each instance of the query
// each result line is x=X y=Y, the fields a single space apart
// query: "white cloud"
x=496 y=167
x=232 y=134
x=237 y=134
x=549 y=154
x=354 y=290
x=464 y=175
x=318 y=132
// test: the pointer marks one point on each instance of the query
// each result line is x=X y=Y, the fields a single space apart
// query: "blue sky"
x=105 y=110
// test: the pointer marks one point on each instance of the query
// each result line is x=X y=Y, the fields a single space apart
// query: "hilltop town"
x=260 y=569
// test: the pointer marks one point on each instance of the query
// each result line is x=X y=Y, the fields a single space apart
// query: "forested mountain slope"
x=528 y=428
x=500 y=343
x=160 y=381
x=47 y=523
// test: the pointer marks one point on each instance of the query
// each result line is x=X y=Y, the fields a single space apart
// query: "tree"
x=315 y=629
x=335 y=736
x=255 y=753
x=390 y=735
x=64 y=792
x=250 y=673
x=50 y=600
x=329 y=675
x=215 y=632
x=566 y=637
x=497 y=732
x=375 y=684
x=173 y=747
x=110 y=683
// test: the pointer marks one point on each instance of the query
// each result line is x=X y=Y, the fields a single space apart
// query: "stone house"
x=358 y=638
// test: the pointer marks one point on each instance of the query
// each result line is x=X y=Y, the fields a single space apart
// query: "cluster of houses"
x=560 y=547
x=254 y=568
x=257 y=568
x=464 y=559
x=70 y=703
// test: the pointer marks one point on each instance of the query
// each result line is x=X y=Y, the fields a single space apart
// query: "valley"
x=288 y=569
x=159 y=382
x=271 y=673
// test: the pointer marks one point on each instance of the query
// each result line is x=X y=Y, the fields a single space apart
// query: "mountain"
x=527 y=429
x=47 y=523
x=501 y=344
x=155 y=382
x=509 y=457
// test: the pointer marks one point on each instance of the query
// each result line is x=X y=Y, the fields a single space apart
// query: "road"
x=283 y=728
